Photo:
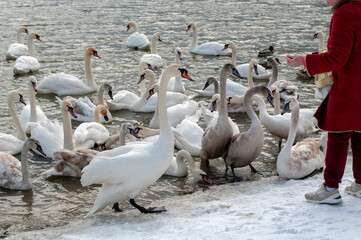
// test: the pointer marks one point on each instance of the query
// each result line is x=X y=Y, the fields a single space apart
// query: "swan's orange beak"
x=141 y=78
x=38 y=147
x=189 y=27
x=34 y=86
x=206 y=179
x=71 y=111
x=96 y=54
x=185 y=75
x=225 y=47
x=255 y=69
x=21 y=99
x=151 y=92
x=38 y=38
x=128 y=27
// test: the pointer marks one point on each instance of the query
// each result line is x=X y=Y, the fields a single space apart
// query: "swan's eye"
x=137 y=129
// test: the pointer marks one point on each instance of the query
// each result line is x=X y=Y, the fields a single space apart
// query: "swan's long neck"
x=89 y=78
x=143 y=98
x=183 y=156
x=25 y=167
x=274 y=73
x=249 y=110
x=194 y=43
x=135 y=26
x=185 y=143
x=222 y=111
x=33 y=115
x=68 y=134
x=31 y=46
x=101 y=95
x=234 y=54
x=14 y=114
x=153 y=49
x=249 y=77
x=295 y=114
x=262 y=108
x=20 y=37
x=321 y=41
x=164 y=125
x=97 y=115
x=122 y=135
x=277 y=103
x=216 y=87
x=142 y=85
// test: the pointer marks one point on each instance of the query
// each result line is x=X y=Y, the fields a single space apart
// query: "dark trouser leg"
x=336 y=155
x=356 y=156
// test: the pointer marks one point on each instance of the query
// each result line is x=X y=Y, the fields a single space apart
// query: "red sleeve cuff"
x=304 y=62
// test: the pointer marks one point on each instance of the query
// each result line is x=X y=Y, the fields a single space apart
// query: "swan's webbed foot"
x=147 y=210
x=254 y=171
x=235 y=178
x=116 y=208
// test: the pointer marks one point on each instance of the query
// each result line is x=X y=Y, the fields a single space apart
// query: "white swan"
x=178 y=168
x=245 y=147
x=261 y=73
x=305 y=157
x=130 y=169
x=71 y=162
x=31 y=113
x=176 y=113
x=87 y=134
x=13 y=174
x=233 y=88
x=215 y=138
x=9 y=143
x=53 y=136
x=321 y=40
x=153 y=58
x=209 y=48
x=285 y=88
x=85 y=109
x=175 y=83
x=18 y=49
x=136 y=39
x=26 y=64
x=66 y=84
x=123 y=100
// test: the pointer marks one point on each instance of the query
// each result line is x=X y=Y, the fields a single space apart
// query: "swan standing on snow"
x=71 y=162
x=26 y=64
x=18 y=49
x=66 y=84
x=136 y=40
x=178 y=168
x=87 y=134
x=9 y=143
x=13 y=174
x=245 y=147
x=153 y=58
x=52 y=136
x=85 y=109
x=32 y=113
x=127 y=170
x=215 y=138
x=306 y=157
x=209 y=48
x=243 y=68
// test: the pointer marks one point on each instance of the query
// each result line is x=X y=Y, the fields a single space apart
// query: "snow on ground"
x=269 y=208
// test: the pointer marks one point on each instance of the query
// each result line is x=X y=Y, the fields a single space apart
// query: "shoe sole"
x=330 y=200
x=357 y=194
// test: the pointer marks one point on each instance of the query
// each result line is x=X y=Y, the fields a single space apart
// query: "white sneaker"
x=354 y=189
x=321 y=195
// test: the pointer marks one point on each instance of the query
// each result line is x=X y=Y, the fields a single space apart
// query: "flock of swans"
x=134 y=165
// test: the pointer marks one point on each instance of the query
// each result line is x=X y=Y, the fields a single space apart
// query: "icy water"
x=69 y=27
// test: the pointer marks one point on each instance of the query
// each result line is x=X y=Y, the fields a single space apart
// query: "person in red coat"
x=340 y=112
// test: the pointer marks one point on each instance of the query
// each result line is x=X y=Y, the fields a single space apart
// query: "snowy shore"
x=269 y=208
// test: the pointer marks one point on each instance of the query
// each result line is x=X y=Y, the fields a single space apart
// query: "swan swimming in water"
x=136 y=40
x=18 y=49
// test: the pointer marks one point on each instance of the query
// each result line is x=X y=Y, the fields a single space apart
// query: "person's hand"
x=294 y=60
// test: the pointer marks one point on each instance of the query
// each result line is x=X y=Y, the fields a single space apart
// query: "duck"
x=215 y=138
x=266 y=52
x=130 y=169
x=70 y=163
x=176 y=84
x=66 y=84
x=209 y=48
x=87 y=134
x=13 y=174
x=136 y=40
x=85 y=109
x=306 y=157
x=31 y=113
x=9 y=143
x=262 y=73
x=27 y=64
x=153 y=58
x=176 y=113
x=54 y=136
x=245 y=147
x=18 y=49
x=286 y=88
x=178 y=168
x=146 y=103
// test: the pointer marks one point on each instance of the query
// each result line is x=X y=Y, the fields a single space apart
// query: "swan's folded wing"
x=60 y=81
x=83 y=106
x=115 y=170
x=137 y=40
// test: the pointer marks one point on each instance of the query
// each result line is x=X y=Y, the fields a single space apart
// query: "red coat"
x=341 y=110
